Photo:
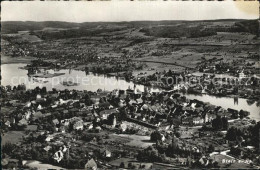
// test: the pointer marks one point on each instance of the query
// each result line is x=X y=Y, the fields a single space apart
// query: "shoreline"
x=16 y=60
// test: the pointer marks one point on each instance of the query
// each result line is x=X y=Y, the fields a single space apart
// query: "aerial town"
x=191 y=97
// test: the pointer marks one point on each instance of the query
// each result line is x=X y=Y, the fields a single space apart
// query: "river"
x=227 y=102
x=39 y=165
x=12 y=74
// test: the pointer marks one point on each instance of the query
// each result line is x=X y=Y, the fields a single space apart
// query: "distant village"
x=233 y=72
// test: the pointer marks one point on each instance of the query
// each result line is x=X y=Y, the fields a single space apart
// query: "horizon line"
x=131 y=21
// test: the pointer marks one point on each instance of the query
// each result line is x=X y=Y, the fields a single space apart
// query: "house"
x=95 y=106
x=163 y=138
x=10 y=163
x=65 y=122
x=90 y=126
x=47 y=148
x=27 y=115
x=28 y=104
x=40 y=100
x=123 y=126
x=87 y=124
x=7 y=123
x=62 y=129
x=98 y=128
x=65 y=111
x=58 y=156
x=139 y=101
x=89 y=107
x=91 y=165
x=115 y=92
x=54 y=106
x=23 y=122
x=61 y=101
x=55 y=121
x=74 y=119
x=106 y=154
x=54 y=95
x=209 y=117
x=64 y=149
x=187 y=121
x=105 y=113
x=4 y=163
x=129 y=91
x=49 y=138
x=198 y=121
x=47 y=115
x=204 y=161
x=38 y=96
x=114 y=122
x=39 y=107
x=78 y=125
x=37 y=115
x=241 y=75
x=193 y=105
x=182 y=161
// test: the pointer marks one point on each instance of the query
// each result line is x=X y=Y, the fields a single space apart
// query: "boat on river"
x=69 y=83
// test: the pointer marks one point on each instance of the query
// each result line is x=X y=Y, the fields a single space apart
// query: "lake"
x=12 y=74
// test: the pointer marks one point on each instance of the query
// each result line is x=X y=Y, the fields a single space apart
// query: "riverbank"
x=47 y=75
x=40 y=165
x=93 y=82
x=16 y=60
x=250 y=99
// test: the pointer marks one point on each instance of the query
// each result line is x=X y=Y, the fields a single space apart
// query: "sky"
x=95 y=11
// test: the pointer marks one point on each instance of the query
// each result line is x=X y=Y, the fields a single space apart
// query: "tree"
x=156 y=136
x=255 y=131
x=43 y=90
x=243 y=114
x=225 y=123
x=217 y=123
x=8 y=88
x=211 y=148
x=122 y=165
x=129 y=165
x=234 y=113
x=35 y=154
x=148 y=154
x=177 y=134
x=88 y=101
x=231 y=134
x=8 y=148
x=215 y=165
x=54 y=90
